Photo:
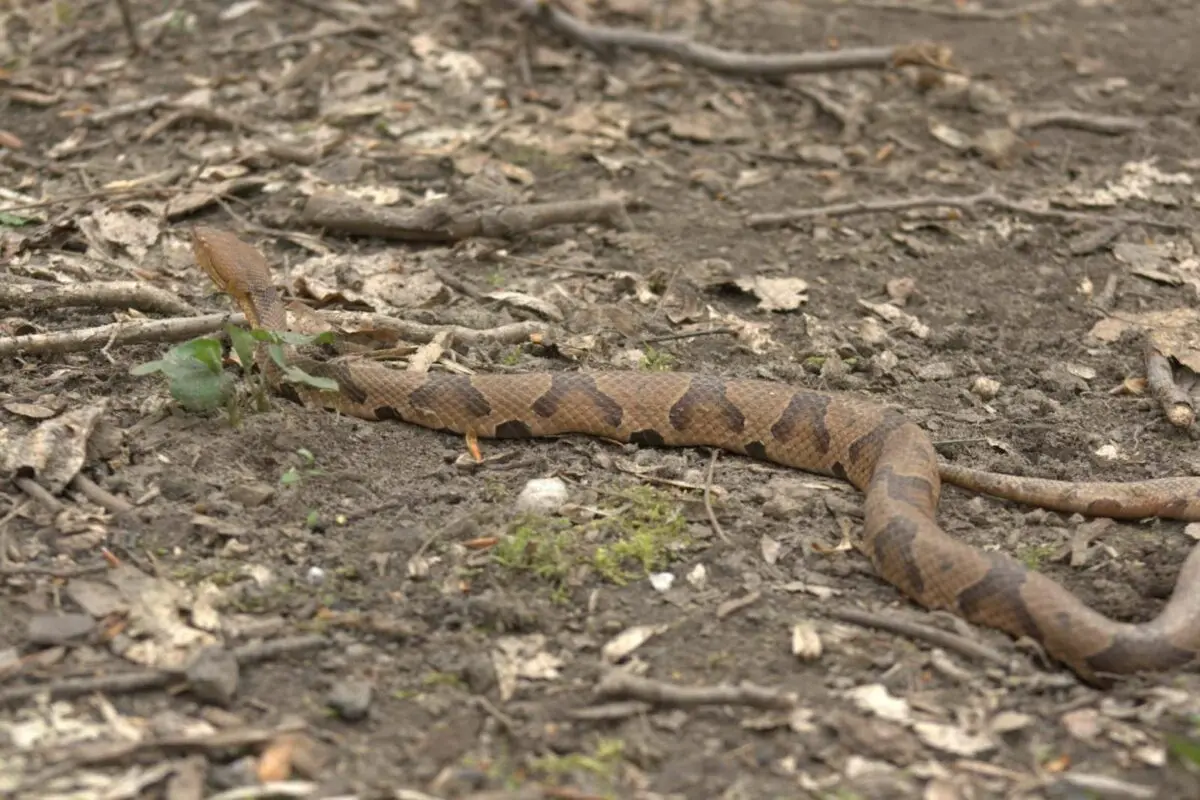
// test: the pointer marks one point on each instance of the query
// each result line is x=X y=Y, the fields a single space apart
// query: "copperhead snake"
x=876 y=449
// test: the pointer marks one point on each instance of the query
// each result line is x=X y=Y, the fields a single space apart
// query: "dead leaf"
x=775 y=294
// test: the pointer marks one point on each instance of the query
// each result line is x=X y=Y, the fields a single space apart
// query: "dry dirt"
x=380 y=541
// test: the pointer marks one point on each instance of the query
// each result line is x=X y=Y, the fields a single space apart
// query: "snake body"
x=876 y=449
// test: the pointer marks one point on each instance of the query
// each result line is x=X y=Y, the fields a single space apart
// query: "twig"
x=71 y=198
x=1175 y=402
x=956 y=12
x=140 y=680
x=37 y=492
x=618 y=684
x=670 y=337
x=441 y=222
x=179 y=330
x=914 y=630
x=52 y=572
x=964 y=203
x=110 y=294
x=100 y=496
x=708 y=509
x=511 y=333
x=120 y=333
x=212 y=116
x=730 y=62
x=273 y=789
x=135 y=46
x=107 y=752
x=1079 y=120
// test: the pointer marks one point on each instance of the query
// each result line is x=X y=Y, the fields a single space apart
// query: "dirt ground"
x=442 y=644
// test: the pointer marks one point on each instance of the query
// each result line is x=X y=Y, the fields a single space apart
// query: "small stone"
x=985 y=388
x=351 y=699
x=542 y=496
x=213 y=676
x=54 y=629
x=252 y=495
x=935 y=371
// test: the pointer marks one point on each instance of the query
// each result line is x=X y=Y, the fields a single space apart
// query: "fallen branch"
x=185 y=328
x=1174 y=400
x=1079 y=120
x=927 y=633
x=118 y=333
x=41 y=295
x=440 y=222
x=620 y=685
x=987 y=199
x=731 y=62
x=140 y=680
x=957 y=12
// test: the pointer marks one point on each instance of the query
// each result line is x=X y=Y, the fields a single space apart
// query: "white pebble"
x=661 y=581
x=542 y=496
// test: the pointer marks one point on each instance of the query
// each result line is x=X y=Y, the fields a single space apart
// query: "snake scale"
x=876 y=449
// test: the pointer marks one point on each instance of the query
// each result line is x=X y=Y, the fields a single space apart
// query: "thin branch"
x=730 y=62
x=988 y=198
x=1174 y=400
x=956 y=12
x=927 y=633
x=441 y=222
x=621 y=685
x=100 y=496
x=42 y=295
x=140 y=680
x=180 y=330
x=708 y=508
x=1107 y=124
x=119 y=333
x=135 y=46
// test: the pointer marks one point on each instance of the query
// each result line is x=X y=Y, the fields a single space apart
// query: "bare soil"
x=380 y=543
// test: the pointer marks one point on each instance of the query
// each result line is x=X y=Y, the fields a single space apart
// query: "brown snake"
x=876 y=449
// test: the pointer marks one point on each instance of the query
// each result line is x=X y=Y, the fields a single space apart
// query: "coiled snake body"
x=877 y=450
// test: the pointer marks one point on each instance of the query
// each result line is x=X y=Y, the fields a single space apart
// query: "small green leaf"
x=290 y=476
x=297 y=375
x=306 y=454
x=13 y=220
x=198 y=389
x=206 y=351
x=1184 y=748
x=276 y=351
x=149 y=368
x=312 y=520
x=243 y=344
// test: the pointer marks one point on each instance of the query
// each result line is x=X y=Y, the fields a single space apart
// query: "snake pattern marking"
x=877 y=450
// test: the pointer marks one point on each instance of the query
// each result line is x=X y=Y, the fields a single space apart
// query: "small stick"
x=52 y=572
x=135 y=47
x=963 y=203
x=37 y=492
x=1080 y=120
x=100 y=496
x=914 y=630
x=120 y=333
x=955 y=13
x=441 y=222
x=182 y=329
x=1175 y=402
x=71 y=198
x=618 y=684
x=731 y=62
x=708 y=509
x=109 y=294
x=139 y=680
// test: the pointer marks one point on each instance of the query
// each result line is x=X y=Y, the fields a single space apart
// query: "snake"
x=849 y=436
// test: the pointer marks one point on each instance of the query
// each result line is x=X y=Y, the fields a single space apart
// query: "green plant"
x=197 y=381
